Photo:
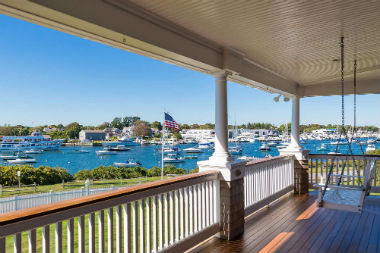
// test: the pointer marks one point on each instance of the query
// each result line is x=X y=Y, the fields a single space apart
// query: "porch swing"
x=346 y=197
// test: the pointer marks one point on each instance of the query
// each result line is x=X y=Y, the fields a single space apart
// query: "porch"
x=190 y=213
x=295 y=224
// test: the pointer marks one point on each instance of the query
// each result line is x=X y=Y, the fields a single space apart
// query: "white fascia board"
x=123 y=25
x=334 y=88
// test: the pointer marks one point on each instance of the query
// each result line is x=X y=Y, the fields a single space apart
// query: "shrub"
x=42 y=175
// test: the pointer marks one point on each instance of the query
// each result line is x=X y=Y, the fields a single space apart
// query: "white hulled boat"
x=35 y=141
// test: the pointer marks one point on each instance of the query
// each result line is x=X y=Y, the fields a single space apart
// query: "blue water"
x=149 y=156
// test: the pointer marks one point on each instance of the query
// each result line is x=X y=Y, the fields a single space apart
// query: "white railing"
x=164 y=216
x=353 y=169
x=10 y=204
x=266 y=180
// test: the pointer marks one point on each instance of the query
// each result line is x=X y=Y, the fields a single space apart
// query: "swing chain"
x=342 y=75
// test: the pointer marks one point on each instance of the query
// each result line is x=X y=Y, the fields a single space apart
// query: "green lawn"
x=7 y=192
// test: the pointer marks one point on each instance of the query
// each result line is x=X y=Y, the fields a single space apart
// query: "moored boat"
x=127 y=164
x=192 y=150
x=119 y=148
x=22 y=161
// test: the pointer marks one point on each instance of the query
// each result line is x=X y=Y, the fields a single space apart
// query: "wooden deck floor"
x=296 y=224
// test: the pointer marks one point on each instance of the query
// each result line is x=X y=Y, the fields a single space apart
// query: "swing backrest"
x=369 y=173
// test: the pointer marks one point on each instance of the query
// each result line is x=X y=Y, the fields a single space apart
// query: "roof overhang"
x=125 y=25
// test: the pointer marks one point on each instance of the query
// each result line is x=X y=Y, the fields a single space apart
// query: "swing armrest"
x=351 y=187
x=339 y=175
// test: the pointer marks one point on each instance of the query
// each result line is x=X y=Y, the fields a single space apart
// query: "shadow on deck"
x=296 y=224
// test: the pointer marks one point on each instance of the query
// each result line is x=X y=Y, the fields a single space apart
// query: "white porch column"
x=295 y=137
x=231 y=173
x=294 y=147
x=221 y=119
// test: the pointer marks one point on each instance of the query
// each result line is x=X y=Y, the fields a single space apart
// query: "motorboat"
x=22 y=161
x=14 y=156
x=119 y=148
x=205 y=145
x=34 y=141
x=81 y=151
x=128 y=164
x=192 y=150
x=272 y=144
x=371 y=147
x=190 y=157
x=323 y=148
x=106 y=152
x=246 y=158
x=34 y=151
x=264 y=147
x=172 y=158
x=334 y=153
x=235 y=151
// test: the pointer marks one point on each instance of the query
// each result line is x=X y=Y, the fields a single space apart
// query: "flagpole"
x=162 y=149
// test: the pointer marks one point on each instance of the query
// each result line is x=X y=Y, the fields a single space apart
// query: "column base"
x=298 y=152
x=231 y=196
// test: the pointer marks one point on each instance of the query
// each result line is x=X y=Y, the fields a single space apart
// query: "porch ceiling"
x=281 y=46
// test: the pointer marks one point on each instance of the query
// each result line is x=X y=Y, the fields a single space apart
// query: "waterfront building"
x=292 y=48
x=92 y=135
x=112 y=131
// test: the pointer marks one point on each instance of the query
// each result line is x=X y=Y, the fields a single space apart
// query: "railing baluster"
x=17 y=243
x=196 y=208
x=203 y=205
x=216 y=201
x=148 y=215
x=110 y=230
x=181 y=214
x=154 y=224
x=127 y=227
x=31 y=242
x=46 y=239
x=118 y=234
x=176 y=200
x=135 y=227
x=91 y=233
x=207 y=204
x=186 y=205
x=70 y=235
x=58 y=237
x=142 y=225
x=171 y=218
x=160 y=221
x=101 y=231
x=199 y=195
x=81 y=234
x=191 y=210
x=166 y=220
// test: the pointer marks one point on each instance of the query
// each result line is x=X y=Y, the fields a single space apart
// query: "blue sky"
x=49 y=77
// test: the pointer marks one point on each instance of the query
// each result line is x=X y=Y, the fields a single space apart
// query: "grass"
x=74 y=185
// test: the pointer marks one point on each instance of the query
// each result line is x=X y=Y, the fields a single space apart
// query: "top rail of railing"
x=30 y=218
x=259 y=162
x=340 y=156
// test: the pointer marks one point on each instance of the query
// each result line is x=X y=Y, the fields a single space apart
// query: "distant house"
x=111 y=131
x=92 y=135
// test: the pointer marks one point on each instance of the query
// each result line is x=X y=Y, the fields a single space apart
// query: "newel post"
x=231 y=173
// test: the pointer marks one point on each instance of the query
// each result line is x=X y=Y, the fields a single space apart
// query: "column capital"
x=221 y=74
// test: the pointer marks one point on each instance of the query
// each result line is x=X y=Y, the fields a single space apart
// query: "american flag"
x=170 y=122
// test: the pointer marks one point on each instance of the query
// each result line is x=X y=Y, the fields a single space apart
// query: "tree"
x=194 y=126
x=72 y=130
x=129 y=120
x=185 y=126
x=156 y=124
x=103 y=126
x=141 y=129
x=117 y=123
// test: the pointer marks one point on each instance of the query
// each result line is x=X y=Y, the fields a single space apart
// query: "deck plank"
x=296 y=224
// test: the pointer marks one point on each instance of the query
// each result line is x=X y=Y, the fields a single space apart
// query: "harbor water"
x=149 y=155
